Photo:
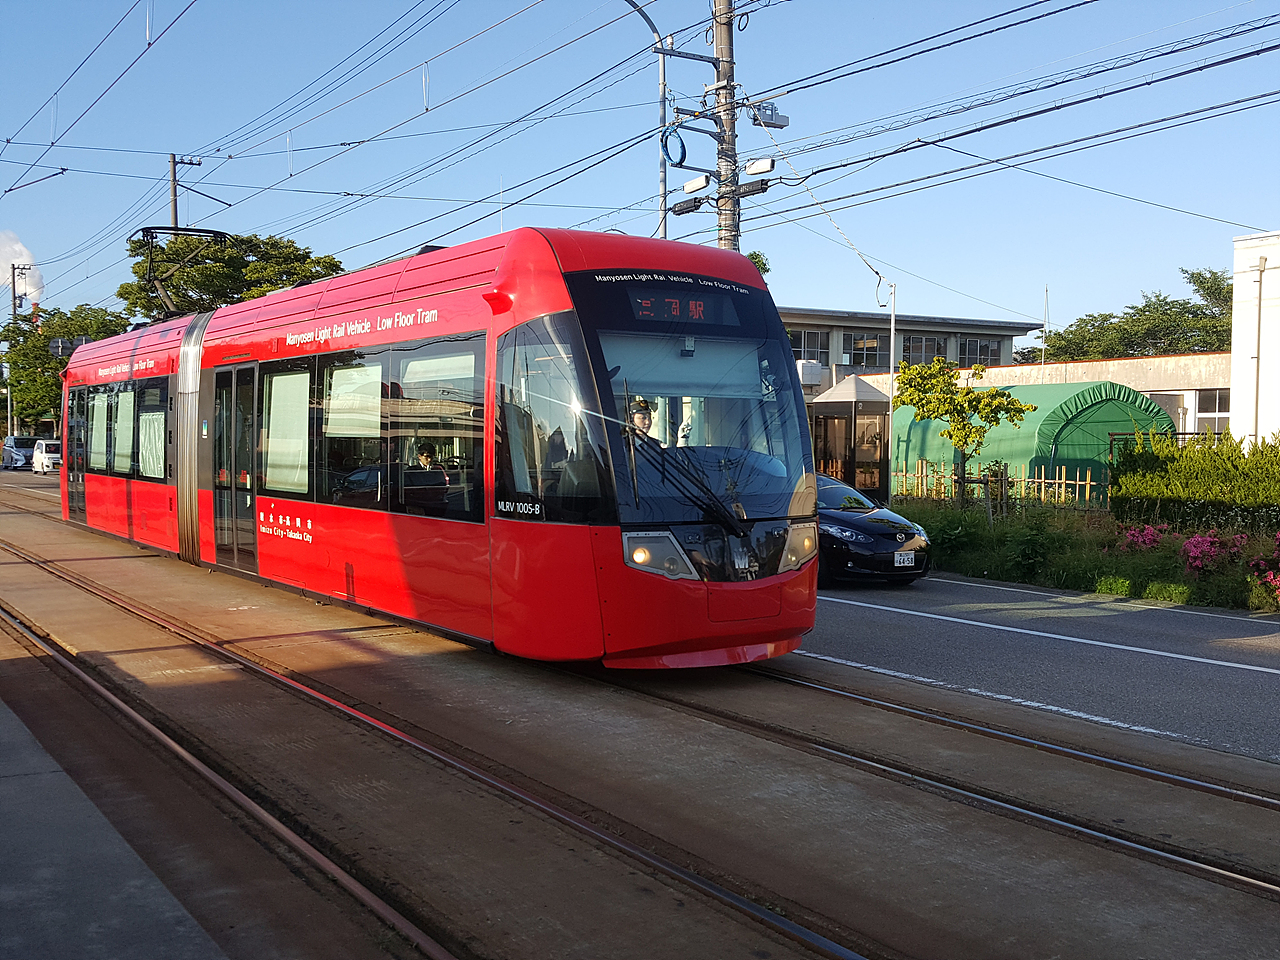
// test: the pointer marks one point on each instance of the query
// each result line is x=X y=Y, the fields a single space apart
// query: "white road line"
x=1114 y=601
x=1058 y=636
x=978 y=691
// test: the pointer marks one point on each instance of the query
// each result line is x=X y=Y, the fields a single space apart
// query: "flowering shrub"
x=1144 y=538
x=1266 y=570
x=1207 y=552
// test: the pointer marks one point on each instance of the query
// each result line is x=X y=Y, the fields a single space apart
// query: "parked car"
x=17 y=453
x=858 y=539
x=47 y=456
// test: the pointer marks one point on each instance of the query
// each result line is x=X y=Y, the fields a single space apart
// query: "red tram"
x=569 y=446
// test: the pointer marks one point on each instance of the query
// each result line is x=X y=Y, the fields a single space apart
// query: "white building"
x=1194 y=388
x=1255 y=336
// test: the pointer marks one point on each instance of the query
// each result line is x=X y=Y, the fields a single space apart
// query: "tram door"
x=234 y=447
x=73 y=453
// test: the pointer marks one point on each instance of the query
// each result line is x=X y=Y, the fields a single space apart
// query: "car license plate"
x=905 y=559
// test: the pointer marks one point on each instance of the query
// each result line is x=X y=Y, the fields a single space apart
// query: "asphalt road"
x=1207 y=676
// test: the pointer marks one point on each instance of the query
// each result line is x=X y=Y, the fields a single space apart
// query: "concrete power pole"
x=727 y=202
x=174 y=162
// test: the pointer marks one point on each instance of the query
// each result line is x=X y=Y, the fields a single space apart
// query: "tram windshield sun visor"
x=707 y=413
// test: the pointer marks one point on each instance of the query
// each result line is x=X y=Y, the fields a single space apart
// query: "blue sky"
x=213 y=80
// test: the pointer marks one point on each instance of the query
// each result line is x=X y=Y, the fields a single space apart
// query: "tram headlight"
x=802 y=546
x=658 y=553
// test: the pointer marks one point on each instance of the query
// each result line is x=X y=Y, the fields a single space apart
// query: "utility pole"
x=727 y=202
x=174 y=161
x=15 y=269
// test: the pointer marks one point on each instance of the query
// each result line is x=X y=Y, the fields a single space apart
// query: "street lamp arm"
x=662 y=117
x=657 y=37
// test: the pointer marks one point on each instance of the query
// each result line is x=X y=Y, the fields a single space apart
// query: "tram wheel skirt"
x=717 y=657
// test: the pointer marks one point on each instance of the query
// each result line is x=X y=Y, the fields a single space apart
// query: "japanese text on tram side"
x=352 y=328
x=286 y=528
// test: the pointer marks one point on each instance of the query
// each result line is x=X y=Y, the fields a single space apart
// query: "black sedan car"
x=859 y=540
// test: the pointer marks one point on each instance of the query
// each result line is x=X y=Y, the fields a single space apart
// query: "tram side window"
x=99 y=414
x=436 y=419
x=286 y=446
x=152 y=402
x=550 y=451
x=352 y=459
x=122 y=447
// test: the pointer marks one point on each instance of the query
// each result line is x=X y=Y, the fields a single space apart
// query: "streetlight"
x=662 y=119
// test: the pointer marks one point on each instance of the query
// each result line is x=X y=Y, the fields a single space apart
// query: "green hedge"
x=1206 y=482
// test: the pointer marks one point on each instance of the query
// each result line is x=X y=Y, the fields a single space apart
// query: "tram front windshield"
x=707 y=420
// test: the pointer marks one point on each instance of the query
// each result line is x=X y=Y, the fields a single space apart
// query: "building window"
x=923 y=349
x=1212 y=409
x=985 y=352
x=812 y=345
x=865 y=350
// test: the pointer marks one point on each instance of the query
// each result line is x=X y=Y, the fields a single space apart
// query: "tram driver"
x=641 y=417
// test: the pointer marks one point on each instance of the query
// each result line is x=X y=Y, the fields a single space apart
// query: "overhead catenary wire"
x=817 y=79
x=372 y=139
x=98 y=99
x=960 y=105
x=1076 y=145
x=71 y=76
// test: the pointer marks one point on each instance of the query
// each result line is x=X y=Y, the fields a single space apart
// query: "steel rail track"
x=1258 y=883
x=1045 y=746
x=362 y=894
x=778 y=924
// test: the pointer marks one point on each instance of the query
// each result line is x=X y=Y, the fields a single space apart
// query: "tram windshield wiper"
x=694 y=486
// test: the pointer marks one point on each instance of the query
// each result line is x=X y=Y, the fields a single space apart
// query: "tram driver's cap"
x=640 y=405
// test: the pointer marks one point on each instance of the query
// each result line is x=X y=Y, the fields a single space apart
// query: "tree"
x=934 y=390
x=760 y=260
x=35 y=375
x=1160 y=325
x=213 y=275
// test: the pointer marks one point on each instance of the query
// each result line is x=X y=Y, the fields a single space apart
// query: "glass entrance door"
x=234 y=453
x=73 y=452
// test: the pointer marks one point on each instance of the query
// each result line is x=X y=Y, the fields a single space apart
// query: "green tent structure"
x=1069 y=431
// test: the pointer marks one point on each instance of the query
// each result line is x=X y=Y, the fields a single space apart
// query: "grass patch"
x=1114 y=586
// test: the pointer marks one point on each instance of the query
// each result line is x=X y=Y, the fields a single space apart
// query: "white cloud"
x=12 y=251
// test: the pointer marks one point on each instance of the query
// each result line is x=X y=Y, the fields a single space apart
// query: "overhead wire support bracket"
x=714 y=61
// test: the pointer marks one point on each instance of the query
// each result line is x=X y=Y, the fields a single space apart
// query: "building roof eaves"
x=882 y=319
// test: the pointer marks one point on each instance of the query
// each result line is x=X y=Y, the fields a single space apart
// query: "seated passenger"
x=426 y=471
x=424 y=487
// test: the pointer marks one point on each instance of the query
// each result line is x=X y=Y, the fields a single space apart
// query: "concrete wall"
x=1255 y=337
x=1173 y=382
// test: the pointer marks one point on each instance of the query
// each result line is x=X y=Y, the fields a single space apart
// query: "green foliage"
x=1093 y=553
x=1208 y=482
x=1160 y=325
x=36 y=374
x=214 y=275
x=934 y=391
x=1114 y=586
x=760 y=260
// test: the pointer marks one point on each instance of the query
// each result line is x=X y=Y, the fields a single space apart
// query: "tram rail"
x=774 y=921
x=1217 y=869
x=1260 y=883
